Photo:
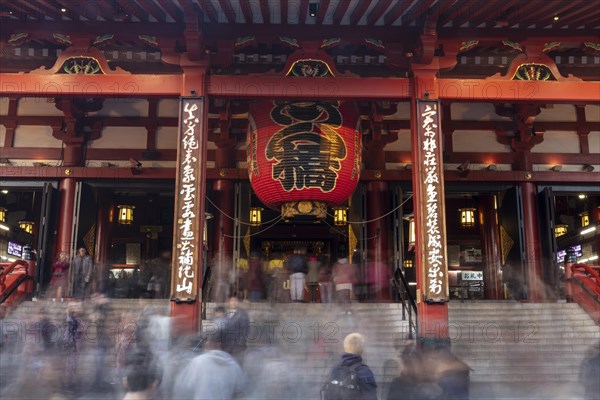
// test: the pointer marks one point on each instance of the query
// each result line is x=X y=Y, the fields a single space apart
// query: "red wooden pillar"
x=186 y=314
x=223 y=224
x=377 y=245
x=432 y=316
x=104 y=227
x=492 y=260
x=224 y=199
x=533 y=264
x=65 y=219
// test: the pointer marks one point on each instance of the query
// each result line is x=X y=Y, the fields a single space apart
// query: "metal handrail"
x=206 y=281
x=399 y=282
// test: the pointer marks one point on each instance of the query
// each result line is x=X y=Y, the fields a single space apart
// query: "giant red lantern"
x=303 y=155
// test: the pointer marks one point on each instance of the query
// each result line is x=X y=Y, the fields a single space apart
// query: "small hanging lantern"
x=125 y=214
x=412 y=236
x=561 y=230
x=255 y=216
x=340 y=216
x=467 y=217
x=2 y=214
x=585 y=219
x=27 y=226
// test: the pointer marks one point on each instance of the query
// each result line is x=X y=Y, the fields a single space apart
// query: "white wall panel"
x=35 y=136
x=592 y=113
x=402 y=144
x=166 y=137
x=558 y=142
x=38 y=106
x=123 y=107
x=118 y=137
x=168 y=108
x=475 y=112
x=558 y=112
x=477 y=142
x=3 y=105
x=594 y=143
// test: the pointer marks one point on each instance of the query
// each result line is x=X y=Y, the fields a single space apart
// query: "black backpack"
x=342 y=384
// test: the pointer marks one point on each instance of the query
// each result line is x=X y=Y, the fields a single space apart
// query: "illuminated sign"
x=14 y=249
x=472 y=275
x=561 y=254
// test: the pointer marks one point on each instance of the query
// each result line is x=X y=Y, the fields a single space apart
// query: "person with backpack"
x=350 y=378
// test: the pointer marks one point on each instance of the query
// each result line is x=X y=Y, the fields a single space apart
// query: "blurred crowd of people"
x=302 y=278
x=86 y=354
x=77 y=278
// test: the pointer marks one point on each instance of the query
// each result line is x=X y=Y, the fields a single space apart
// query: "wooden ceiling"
x=262 y=16
x=219 y=24
x=270 y=14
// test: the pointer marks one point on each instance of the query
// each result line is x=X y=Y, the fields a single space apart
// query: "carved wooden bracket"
x=378 y=137
x=76 y=130
x=526 y=137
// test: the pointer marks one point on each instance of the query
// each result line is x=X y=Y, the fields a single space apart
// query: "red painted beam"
x=308 y=88
x=224 y=86
x=525 y=91
x=16 y=172
x=43 y=153
x=141 y=85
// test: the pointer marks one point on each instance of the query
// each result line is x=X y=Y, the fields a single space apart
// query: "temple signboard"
x=433 y=232
x=187 y=236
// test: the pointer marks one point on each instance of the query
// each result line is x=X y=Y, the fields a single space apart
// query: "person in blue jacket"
x=354 y=345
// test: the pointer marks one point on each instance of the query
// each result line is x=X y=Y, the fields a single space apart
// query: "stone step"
x=551 y=340
x=560 y=362
x=492 y=348
x=505 y=304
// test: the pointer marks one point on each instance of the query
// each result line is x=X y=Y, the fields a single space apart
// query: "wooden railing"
x=584 y=288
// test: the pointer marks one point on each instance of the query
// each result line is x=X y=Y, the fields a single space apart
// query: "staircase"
x=311 y=335
x=505 y=343
x=22 y=347
x=521 y=342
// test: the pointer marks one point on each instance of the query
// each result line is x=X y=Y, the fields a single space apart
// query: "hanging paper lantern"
x=303 y=156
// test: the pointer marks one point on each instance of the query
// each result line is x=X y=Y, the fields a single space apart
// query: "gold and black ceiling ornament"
x=317 y=209
x=310 y=68
x=533 y=72
x=82 y=66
